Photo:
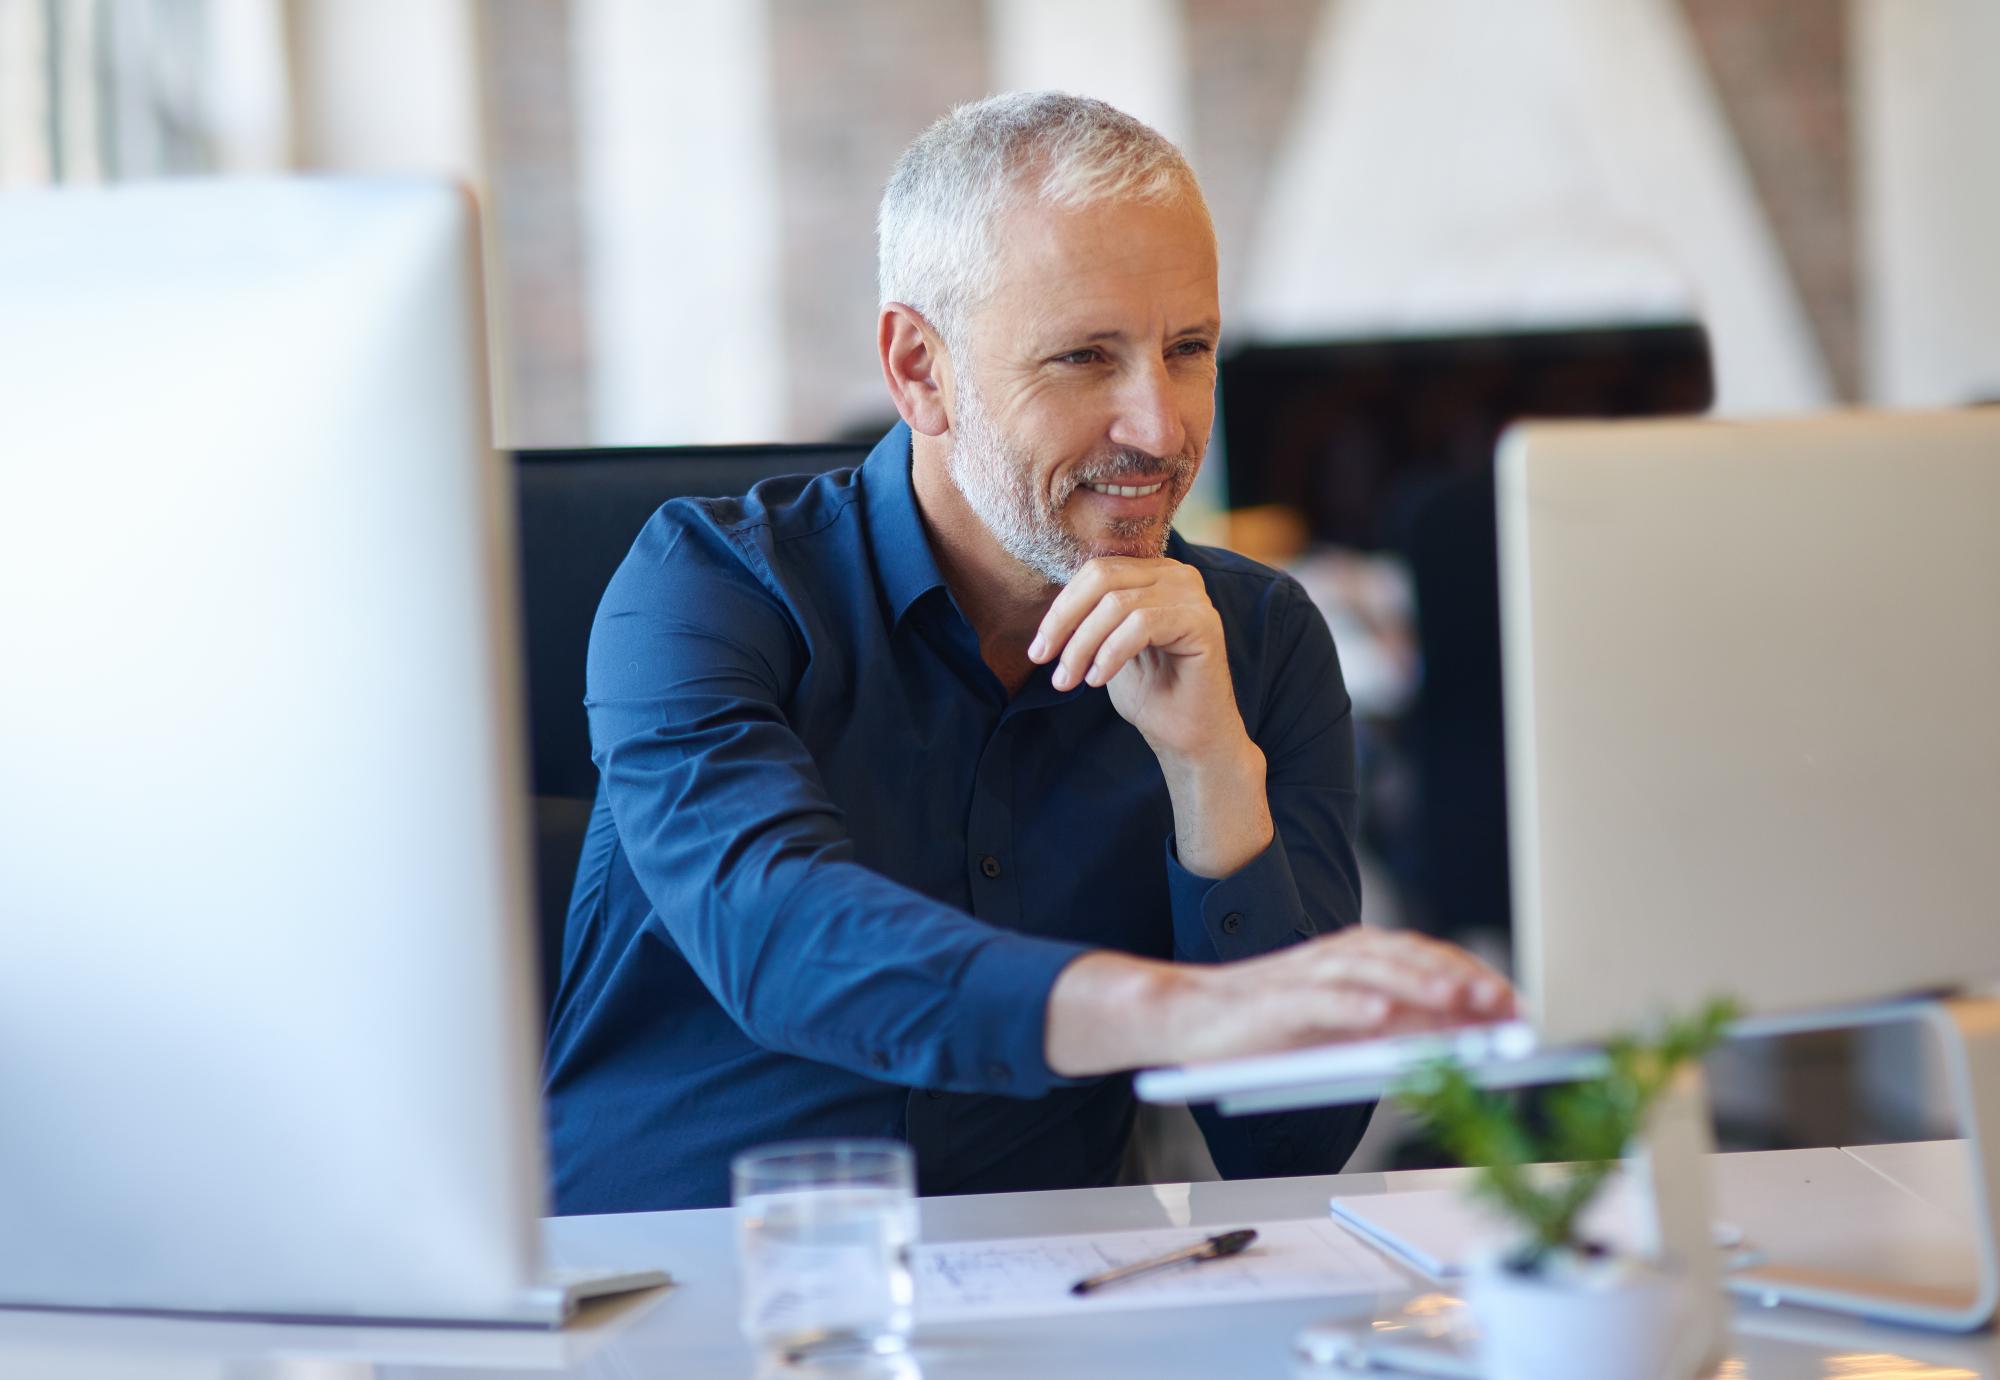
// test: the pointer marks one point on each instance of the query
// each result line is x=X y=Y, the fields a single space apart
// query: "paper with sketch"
x=1031 y=1276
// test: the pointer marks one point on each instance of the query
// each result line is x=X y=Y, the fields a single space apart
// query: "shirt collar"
x=896 y=536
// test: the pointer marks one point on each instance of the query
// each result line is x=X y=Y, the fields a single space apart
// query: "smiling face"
x=1083 y=408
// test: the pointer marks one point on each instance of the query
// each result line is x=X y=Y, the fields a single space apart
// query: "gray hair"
x=934 y=232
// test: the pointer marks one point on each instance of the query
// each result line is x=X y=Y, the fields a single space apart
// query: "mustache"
x=1126 y=464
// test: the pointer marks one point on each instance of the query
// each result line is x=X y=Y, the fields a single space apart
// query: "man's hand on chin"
x=1143 y=628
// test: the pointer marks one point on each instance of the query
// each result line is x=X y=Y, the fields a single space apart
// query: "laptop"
x=269 y=1044
x=1751 y=745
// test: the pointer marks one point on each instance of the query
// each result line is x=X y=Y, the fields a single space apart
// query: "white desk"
x=690 y=1331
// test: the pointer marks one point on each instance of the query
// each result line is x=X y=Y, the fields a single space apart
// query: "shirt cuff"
x=999 y=1032
x=1253 y=910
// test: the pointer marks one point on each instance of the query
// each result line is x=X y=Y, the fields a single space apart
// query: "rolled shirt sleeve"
x=1252 y=911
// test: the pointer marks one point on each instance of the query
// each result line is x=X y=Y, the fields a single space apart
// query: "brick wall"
x=1245 y=60
x=1780 y=69
x=853 y=82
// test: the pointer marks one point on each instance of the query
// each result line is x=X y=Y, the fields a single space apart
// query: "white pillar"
x=678 y=183
x=1927 y=121
x=1130 y=53
x=384 y=86
x=247 y=110
x=24 y=94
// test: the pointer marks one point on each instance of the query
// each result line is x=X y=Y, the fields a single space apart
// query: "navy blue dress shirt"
x=834 y=868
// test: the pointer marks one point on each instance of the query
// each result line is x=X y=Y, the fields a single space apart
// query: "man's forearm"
x=1222 y=818
x=1110 y=1011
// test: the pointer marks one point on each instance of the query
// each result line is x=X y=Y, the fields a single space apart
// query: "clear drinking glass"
x=823 y=1234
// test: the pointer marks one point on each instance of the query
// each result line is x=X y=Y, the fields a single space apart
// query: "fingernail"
x=1038 y=648
x=1060 y=678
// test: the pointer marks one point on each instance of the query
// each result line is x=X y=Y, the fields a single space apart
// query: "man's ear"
x=915 y=367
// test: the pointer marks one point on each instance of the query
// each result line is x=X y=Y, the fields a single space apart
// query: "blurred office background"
x=1436 y=216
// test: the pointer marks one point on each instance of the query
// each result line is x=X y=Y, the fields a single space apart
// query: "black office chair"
x=579 y=513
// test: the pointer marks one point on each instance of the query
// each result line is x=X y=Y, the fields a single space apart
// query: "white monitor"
x=266 y=1032
x=1751 y=737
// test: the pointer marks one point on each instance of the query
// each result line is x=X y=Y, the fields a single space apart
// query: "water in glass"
x=825 y=1247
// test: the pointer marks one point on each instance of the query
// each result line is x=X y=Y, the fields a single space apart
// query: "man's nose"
x=1148 y=417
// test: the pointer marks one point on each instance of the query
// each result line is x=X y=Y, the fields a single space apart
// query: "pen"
x=1214 y=1248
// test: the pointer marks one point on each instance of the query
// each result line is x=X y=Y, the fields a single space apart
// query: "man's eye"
x=1078 y=357
x=1192 y=348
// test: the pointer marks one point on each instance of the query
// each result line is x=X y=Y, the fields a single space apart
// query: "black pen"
x=1214 y=1248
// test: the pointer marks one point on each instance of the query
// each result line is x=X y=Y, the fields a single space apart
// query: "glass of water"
x=823 y=1234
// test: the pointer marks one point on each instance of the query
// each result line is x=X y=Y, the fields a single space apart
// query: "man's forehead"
x=1102 y=233
x=1107 y=270
x=1117 y=309
x=1076 y=323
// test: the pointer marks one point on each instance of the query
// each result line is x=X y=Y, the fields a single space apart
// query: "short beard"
x=996 y=477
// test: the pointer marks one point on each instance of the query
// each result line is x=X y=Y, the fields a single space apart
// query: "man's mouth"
x=1127 y=490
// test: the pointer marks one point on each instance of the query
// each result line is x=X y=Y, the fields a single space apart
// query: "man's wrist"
x=1232 y=766
x=1222 y=817
x=1110 y=1011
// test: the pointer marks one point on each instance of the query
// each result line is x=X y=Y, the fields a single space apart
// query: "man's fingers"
x=1347 y=1010
x=1362 y=1013
x=1421 y=971
x=1089 y=585
x=1407 y=984
x=1173 y=580
x=1113 y=608
x=1143 y=628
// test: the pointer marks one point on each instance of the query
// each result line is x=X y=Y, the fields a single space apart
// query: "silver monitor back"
x=1752 y=741
x=265 y=1019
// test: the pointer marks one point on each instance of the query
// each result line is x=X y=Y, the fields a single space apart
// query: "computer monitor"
x=1752 y=746
x=266 y=1036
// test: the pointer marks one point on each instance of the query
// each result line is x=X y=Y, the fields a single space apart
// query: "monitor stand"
x=1676 y=1207
x=1968 y=1032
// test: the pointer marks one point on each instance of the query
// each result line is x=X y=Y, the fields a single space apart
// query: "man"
x=940 y=793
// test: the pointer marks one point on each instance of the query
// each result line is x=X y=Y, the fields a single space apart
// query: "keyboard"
x=1504 y=1053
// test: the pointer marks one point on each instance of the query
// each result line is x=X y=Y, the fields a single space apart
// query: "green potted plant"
x=1555 y=1304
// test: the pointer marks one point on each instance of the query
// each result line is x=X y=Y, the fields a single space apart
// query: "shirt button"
x=880 y=1061
x=990 y=865
x=934 y=1094
x=1232 y=922
x=999 y=1073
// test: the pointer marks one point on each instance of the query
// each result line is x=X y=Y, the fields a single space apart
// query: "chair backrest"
x=579 y=513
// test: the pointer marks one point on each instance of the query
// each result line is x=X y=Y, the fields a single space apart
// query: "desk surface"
x=1900 y=1211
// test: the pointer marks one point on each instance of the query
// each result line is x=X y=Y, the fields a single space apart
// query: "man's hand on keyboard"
x=1112 y=1011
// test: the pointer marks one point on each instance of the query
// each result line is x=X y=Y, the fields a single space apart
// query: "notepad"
x=1441 y=1231
x=1031 y=1276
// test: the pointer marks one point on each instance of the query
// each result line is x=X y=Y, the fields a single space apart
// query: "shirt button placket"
x=989 y=834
